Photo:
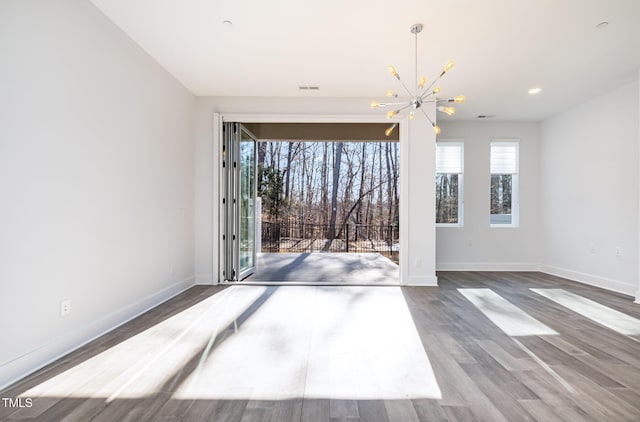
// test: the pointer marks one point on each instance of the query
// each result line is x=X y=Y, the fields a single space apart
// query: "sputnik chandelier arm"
x=422 y=95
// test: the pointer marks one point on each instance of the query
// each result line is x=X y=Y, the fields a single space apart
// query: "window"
x=449 y=172
x=504 y=183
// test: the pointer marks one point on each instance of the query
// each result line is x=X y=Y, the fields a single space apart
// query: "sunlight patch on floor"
x=147 y=361
x=508 y=317
x=265 y=343
x=603 y=315
x=320 y=342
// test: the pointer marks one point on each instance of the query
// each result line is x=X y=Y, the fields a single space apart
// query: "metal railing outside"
x=349 y=238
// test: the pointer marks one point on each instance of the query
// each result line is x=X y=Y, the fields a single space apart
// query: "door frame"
x=220 y=118
x=230 y=202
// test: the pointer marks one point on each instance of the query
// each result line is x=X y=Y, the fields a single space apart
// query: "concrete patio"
x=325 y=268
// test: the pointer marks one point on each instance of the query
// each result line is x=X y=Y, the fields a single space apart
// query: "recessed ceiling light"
x=227 y=22
x=602 y=25
x=308 y=87
x=534 y=91
x=485 y=116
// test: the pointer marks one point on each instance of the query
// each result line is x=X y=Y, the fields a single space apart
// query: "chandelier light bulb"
x=375 y=104
x=421 y=82
x=391 y=114
x=436 y=90
x=412 y=115
x=390 y=129
x=448 y=110
x=459 y=99
x=448 y=66
x=391 y=94
x=393 y=71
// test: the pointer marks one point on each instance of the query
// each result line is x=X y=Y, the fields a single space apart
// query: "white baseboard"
x=420 y=280
x=592 y=280
x=637 y=298
x=487 y=266
x=41 y=356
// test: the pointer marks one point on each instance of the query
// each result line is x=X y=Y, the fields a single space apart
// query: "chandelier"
x=421 y=95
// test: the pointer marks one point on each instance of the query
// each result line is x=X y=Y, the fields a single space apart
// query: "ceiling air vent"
x=308 y=87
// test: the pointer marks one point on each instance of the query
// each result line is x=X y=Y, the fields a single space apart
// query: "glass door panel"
x=238 y=204
x=247 y=204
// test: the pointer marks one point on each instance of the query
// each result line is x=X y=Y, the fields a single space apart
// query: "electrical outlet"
x=65 y=307
x=618 y=252
x=592 y=248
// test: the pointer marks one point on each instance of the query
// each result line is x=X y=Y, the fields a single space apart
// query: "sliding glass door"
x=238 y=202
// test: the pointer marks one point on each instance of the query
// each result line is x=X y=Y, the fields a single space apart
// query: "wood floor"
x=478 y=330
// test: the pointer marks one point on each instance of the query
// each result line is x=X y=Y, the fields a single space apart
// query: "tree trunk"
x=287 y=180
x=396 y=176
x=331 y=233
x=389 y=185
x=363 y=161
x=380 y=207
x=324 y=195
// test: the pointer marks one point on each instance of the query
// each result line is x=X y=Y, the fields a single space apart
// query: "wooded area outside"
x=501 y=197
x=447 y=198
x=330 y=184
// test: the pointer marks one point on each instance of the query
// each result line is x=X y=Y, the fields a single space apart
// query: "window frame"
x=515 y=184
x=457 y=142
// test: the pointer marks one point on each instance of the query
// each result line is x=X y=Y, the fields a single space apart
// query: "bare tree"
x=324 y=188
x=331 y=233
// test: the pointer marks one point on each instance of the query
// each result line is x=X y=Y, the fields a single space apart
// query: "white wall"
x=476 y=246
x=418 y=265
x=589 y=171
x=96 y=180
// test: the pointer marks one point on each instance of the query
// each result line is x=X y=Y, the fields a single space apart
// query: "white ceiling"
x=501 y=48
